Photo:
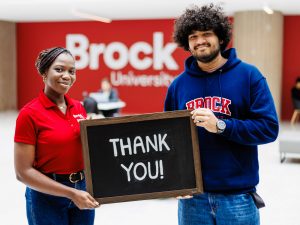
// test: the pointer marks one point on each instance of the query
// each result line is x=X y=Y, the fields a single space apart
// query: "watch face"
x=221 y=125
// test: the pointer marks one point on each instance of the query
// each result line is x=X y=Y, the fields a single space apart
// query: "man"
x=233 y=108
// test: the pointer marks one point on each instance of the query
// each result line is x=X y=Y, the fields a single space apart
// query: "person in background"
x=105 y=94
x=234 y=111
x=296 y=91
x=48 y=152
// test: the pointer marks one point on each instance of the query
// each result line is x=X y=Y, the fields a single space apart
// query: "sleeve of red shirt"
x=25 y=131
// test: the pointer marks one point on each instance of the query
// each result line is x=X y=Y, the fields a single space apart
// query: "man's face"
x=204 y=45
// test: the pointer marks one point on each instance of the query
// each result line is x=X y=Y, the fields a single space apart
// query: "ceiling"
x=63 y=10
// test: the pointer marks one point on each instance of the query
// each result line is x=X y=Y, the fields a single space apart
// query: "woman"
x=48 y=152
x=106 y=94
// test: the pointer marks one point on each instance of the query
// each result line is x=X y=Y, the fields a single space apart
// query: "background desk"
x=111 y=105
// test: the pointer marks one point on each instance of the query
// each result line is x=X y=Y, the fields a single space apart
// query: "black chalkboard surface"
x=141 y=157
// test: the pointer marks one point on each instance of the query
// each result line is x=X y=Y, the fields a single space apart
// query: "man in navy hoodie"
x=232 y=106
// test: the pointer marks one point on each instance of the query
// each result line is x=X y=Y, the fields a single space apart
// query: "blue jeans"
x=44 y=209
x=218 y=209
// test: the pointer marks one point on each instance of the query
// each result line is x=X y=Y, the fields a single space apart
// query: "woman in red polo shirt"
x=48 y=154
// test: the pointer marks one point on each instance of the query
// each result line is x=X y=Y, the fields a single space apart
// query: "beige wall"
x=258 y=38
x=8 y=84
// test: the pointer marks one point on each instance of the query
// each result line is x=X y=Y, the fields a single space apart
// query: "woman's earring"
x=44 y=79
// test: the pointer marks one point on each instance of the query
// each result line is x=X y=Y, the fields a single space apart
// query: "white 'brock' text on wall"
x=155 y=54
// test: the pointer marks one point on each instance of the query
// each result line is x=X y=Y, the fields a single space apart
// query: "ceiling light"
x=268 y=10
x=90 y=16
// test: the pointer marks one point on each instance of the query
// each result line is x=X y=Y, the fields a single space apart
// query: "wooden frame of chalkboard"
x=141 y=157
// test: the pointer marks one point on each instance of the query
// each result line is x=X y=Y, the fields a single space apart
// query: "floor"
x=279 y=187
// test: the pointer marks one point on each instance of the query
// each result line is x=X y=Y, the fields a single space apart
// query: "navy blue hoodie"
x=239 y=94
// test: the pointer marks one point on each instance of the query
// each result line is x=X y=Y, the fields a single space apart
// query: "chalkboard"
x=141 y=157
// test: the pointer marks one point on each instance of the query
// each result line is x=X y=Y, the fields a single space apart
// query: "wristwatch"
x=221 y=125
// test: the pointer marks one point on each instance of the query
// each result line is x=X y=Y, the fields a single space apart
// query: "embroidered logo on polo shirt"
x=78 y=117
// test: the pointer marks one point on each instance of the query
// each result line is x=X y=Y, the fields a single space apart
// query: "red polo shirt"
x=56 y=136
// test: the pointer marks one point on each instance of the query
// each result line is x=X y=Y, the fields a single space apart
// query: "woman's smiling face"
x=61 y=75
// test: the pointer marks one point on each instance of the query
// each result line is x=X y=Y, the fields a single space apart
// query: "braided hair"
x=208 y=17
x=47 y=57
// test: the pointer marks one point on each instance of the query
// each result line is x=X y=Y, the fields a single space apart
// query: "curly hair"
x=47 y=57
x=208 y=17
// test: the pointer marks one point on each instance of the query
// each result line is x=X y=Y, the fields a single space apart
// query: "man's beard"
x=207 y=58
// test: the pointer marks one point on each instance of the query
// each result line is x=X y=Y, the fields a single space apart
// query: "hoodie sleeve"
x=261 y=125
x=169 y=101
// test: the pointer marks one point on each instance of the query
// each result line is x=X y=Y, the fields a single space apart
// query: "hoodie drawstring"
x=220 y=86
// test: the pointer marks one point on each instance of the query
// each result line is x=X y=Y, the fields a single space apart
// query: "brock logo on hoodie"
x=214 y=103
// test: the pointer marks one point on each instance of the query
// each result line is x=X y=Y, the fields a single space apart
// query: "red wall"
x=34 y=37
x=291 y=63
